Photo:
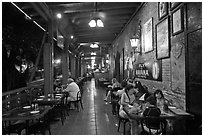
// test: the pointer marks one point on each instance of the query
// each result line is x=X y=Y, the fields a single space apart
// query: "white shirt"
x=73 y=89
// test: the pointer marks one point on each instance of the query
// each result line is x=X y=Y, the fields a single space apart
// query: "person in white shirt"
x=115 y=84
x=72 y=88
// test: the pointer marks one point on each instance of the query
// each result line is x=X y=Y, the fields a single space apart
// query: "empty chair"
x=41 y=126
x=15 y=128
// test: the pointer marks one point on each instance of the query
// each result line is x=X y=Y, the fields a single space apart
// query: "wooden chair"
x=76 y=102
x=124 y=121
x=41 y=126
x=14 y=128
x=153 y=123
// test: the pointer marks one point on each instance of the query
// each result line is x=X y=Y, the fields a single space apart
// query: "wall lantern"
x=135 y=40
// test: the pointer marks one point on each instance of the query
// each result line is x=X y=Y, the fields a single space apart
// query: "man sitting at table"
x=72 y=88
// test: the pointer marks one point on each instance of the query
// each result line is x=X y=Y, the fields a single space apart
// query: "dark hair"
x=124 y=83
x=141 y=88
x=152 y=100
x=159 y=91
x=128 y=87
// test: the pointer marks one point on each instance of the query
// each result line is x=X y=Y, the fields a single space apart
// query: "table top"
x=49 y=100
x=25 y=113
x=170 y=114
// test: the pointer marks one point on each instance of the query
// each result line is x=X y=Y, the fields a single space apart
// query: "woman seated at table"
x=72 y=88
x=162 y=104
x=116 y=96
x=128 y=101
x=115 y=85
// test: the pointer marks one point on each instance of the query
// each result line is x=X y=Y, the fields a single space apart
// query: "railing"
x=22 y=96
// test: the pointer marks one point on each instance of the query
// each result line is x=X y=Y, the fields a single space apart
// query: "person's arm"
x=123 y=99
x=146 y=111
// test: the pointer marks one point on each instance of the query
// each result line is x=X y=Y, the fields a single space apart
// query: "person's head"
x=114 y=80
x=158 y=94
x=124 y=83
x=138 y=84
x=69 y=80
x=130 y=89
x=151 y=100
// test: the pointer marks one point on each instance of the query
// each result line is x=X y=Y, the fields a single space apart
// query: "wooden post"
x=65 y=63
x=48 y=60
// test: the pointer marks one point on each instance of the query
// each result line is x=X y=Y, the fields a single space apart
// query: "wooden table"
x=172 y=114
x=26 y=113
x=50 y=100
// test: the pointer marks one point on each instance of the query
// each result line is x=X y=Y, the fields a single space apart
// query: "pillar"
x=48 y=57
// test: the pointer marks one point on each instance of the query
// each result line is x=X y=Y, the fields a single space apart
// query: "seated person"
x=162 y=104
x=115 y=84
x=57 y=84
x=161 y=101
x=152 y=110
x=127 y=101
x=72 y=88
x=115 y=98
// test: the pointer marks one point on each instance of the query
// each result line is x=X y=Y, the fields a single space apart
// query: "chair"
x=40 y=126
x=153 y=123
x=124 y=121
x=60 y=110
x=76 y=102
x=15 y=128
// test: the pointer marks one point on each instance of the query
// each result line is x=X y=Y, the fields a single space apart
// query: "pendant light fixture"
x=95 y=21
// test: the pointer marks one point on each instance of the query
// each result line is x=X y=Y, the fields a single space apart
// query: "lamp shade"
x=96 y=23
x=92 y=23
x=94 y=45
x=100 y=23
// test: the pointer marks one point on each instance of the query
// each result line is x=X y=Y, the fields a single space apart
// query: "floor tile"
x=94 y=119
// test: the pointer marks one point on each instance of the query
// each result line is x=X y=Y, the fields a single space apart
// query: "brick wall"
x=173 y=68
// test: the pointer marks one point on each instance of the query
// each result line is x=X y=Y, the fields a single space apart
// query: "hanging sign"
x=151 y=70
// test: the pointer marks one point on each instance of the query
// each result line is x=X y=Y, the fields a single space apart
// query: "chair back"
x=79 y=95
x=153 y=122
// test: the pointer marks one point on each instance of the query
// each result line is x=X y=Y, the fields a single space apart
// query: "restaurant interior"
x=119 y=55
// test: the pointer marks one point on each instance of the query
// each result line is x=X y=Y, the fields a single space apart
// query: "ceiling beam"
x=89 y=6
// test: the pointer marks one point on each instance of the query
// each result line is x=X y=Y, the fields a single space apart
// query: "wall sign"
x=151 y=70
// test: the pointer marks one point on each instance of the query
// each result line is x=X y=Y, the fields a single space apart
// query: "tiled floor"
x=95 y=119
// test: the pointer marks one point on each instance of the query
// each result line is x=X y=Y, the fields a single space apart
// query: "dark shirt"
x=152 y=111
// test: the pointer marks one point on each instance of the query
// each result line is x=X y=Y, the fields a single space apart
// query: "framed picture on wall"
x=147 y=36
x=162 y=9
x=162 y=39
x=174 y=5
x=177 y=19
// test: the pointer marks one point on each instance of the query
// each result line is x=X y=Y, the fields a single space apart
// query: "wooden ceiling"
x=76 y=16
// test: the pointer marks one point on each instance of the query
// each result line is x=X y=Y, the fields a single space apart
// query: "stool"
x=124 y=120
